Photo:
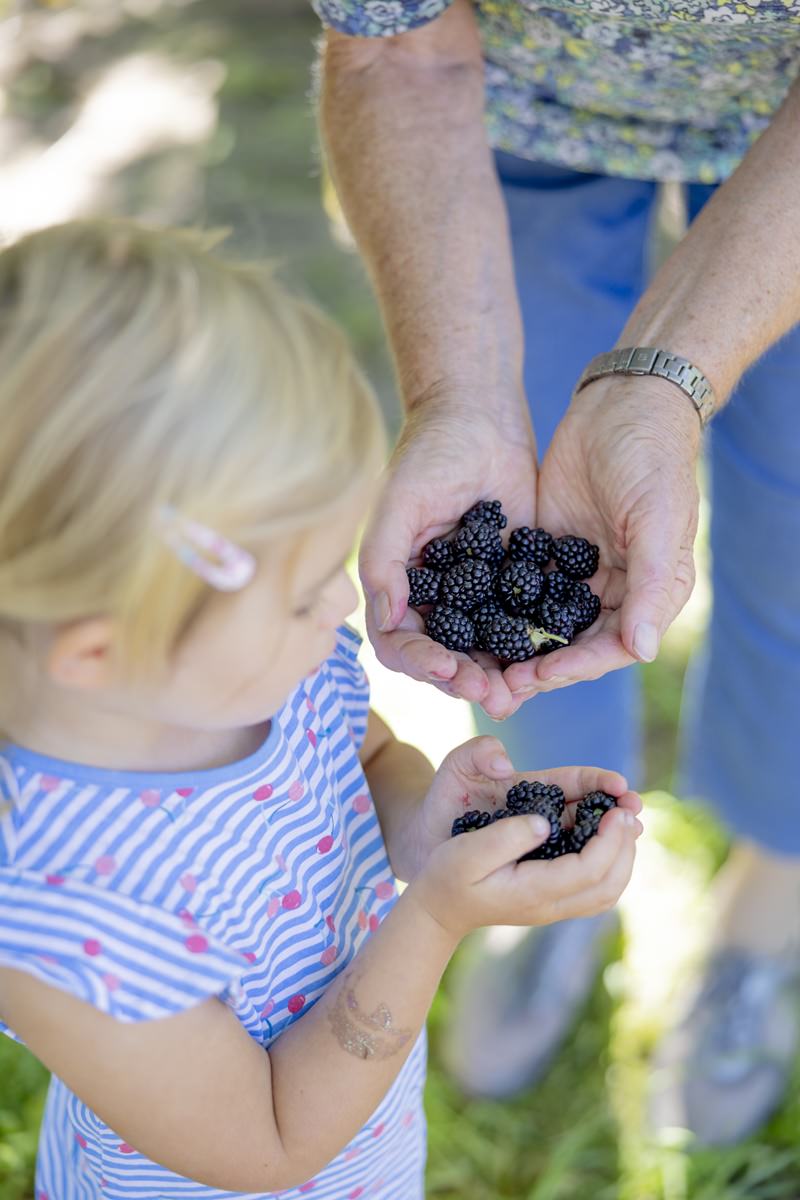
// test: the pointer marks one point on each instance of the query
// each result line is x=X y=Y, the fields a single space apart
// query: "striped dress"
x=257 y=882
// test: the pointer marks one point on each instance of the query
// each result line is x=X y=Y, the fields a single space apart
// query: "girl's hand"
x=478 y=774
x=475 y=879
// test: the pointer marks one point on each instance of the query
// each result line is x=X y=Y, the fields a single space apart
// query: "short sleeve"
x=351 y=683
x=129 y=959
x=378 y=18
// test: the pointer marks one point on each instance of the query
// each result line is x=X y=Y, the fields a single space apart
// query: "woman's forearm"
x=402 y=125
x=732 y=286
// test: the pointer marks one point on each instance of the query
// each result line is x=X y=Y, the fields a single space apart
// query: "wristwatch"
x=648 y=360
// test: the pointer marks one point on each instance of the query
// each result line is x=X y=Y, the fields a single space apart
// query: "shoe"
x=515 y=997
x=723 y=1070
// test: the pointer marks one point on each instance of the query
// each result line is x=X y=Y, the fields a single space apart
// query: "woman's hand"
x=477 y=775
x=621 y=471
x=452 y=453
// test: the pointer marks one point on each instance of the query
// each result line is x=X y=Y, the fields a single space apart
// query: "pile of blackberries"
x=546 y=800
x=479 y=596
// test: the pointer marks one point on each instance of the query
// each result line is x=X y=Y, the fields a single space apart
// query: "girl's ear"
x=80 y=654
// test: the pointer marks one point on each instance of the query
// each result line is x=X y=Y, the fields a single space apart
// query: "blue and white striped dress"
x=256 y=882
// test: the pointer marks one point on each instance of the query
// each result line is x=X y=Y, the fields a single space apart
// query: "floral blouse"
x=648 y=89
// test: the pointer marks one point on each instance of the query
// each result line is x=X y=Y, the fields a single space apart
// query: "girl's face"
x=247 y=651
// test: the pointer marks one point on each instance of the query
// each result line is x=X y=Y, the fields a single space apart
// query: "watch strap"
x=649 y=360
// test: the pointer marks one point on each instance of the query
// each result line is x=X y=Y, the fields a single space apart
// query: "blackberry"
x=525 y=795
x=506 y=637
x=588 y=815
x=483 y=615
x=516 y=639
x=585 y=604
x=518 y=586
x=423 y=586
x=469 y=821
x=557 y=586
x=556 y=618
x=450 y=627
x=534 y=544
x=438 y=554
x=596 y=804
x=552 y=848
x=576 y=557
x=479 y=540
x=466 y=584
x=490 y=511
x=500 y=814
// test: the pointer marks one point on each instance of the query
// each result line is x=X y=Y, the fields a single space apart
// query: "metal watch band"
x=648 y=360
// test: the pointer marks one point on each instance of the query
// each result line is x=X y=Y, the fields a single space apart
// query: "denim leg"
x=742 y=710
x=579 y=244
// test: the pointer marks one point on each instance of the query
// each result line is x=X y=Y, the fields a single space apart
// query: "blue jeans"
x=580 y=259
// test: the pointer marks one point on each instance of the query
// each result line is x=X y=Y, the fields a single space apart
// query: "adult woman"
x=630 y=94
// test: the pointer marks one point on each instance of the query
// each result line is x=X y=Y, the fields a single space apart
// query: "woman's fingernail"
x=524 y=693
x=441 y=676
x=627 y=816
x=558 y=680
x=539 y=826
x=383 y=611
x=502 y=765
x=645 y=642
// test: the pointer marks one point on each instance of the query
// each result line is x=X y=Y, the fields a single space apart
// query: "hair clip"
x=220 y=562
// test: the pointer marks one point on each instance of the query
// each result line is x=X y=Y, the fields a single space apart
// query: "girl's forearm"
x=732 y=286
x=399 y=778
x=332 y=1068
x=403 y=129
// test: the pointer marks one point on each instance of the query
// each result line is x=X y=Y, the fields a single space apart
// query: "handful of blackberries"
x=479 y=596
x=545 y=800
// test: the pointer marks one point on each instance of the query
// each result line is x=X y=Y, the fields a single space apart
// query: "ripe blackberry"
x=533 y=544
x=450 y=627
x=585 y=605
x=596 y=804
x=518 y=586
x=479 y=540
x=558 y=619
x=466 y=584
x=490 y=511
x=438 y=554
x=500 y=814
x=588 y=815
x=557 y=586
x=576 y=557
x=552 y=848
x=516 y=639
x=423 y=586
x=525 y=795
x=469 y=821
x=483 y=615
x=506 y=637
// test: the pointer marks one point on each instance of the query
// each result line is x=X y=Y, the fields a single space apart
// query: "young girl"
x=201 y=824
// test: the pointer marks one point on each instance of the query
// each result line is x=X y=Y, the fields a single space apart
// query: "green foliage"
x=23 y=1083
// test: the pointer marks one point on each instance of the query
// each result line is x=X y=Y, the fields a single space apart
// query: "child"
x=200 y=933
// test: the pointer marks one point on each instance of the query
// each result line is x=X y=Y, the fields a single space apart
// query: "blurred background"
x=200 y=112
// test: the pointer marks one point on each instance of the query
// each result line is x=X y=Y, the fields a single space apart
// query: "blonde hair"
x=138 y=369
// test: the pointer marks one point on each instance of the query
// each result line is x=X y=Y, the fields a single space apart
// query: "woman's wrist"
x=656 y=404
